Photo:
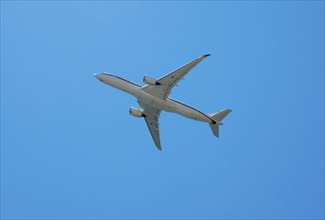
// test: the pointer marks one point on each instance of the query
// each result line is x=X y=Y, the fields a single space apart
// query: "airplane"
x=154 y=98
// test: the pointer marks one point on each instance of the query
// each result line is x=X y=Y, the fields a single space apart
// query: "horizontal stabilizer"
x=215 y=129
x=218 y=117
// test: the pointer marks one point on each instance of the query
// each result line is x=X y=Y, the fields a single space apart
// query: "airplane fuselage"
x=169 y=105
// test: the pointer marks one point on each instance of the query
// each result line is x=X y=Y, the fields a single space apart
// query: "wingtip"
x=206 y=55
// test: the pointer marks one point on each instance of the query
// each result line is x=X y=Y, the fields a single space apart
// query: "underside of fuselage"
x=171 y=105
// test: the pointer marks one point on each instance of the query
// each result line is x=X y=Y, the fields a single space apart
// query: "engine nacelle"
x=136 y=112
x=151 y=81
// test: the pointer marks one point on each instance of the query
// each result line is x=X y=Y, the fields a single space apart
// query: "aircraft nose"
x=98 y=76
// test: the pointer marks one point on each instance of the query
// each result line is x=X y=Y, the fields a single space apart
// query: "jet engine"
x=150 y=81
x=136 y=112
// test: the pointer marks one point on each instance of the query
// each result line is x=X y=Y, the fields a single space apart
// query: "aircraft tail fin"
x=218 y=117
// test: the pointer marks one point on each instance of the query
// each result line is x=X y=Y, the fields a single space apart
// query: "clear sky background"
x=69 y=149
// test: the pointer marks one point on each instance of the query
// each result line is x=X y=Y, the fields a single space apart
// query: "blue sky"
x=69 y=149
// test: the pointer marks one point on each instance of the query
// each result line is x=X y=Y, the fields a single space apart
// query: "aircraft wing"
x=168 y=81
x=152 y=116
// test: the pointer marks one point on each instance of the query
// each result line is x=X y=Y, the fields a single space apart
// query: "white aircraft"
x=154 y=97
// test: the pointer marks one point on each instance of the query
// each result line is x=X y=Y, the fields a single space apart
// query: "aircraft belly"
x=156 y=102
x=190 y=112
x=171 y=105
x=120 y=84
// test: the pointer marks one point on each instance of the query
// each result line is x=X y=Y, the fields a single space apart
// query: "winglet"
x=206 y=55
